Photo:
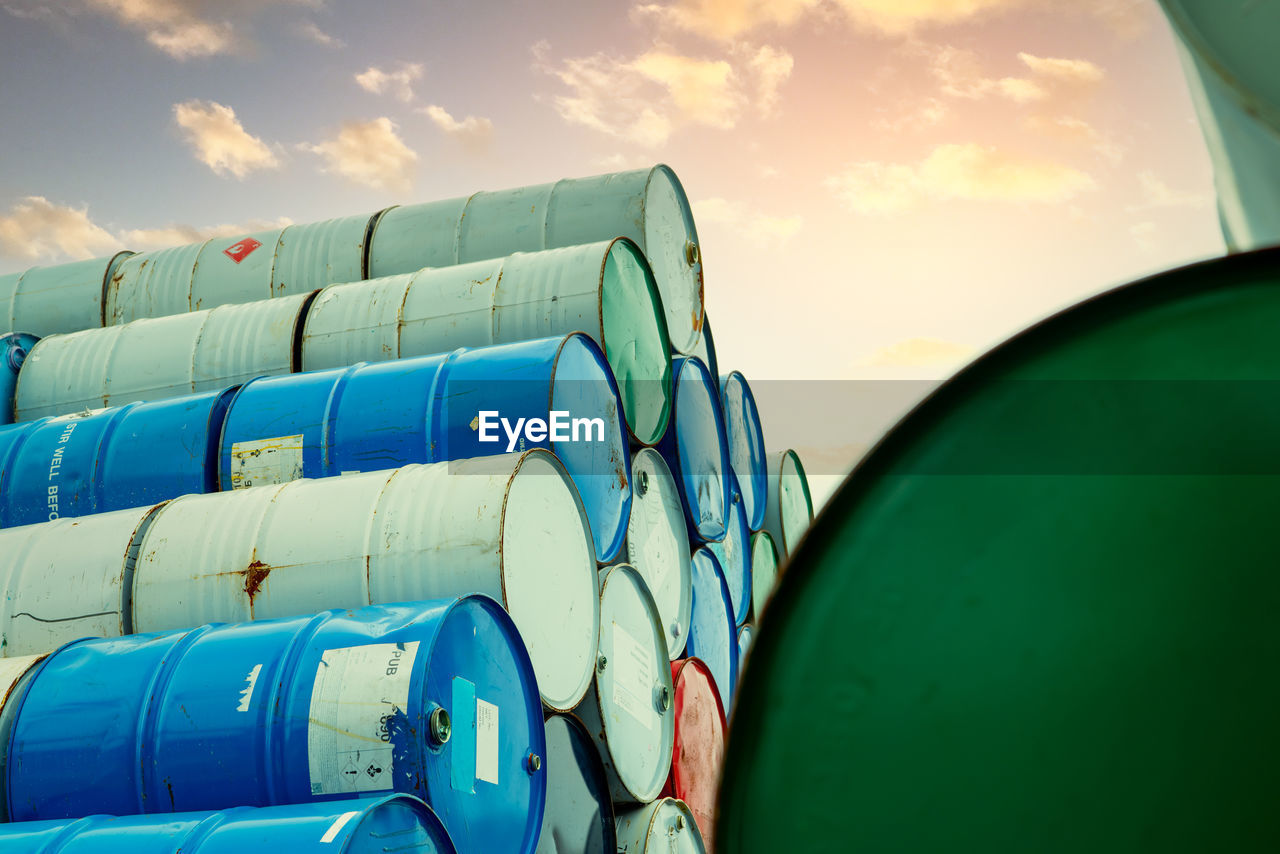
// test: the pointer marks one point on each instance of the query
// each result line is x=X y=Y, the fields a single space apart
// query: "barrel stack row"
x=485 y=430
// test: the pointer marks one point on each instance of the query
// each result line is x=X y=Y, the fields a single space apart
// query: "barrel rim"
x=667 y=736
x=619 y=533
x=521 y=459
x=691 y=232
x=655 y=301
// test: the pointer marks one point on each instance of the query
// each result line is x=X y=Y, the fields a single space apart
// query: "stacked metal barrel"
x=447 y=502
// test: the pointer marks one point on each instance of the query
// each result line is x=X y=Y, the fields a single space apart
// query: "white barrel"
x=647 y=206
x=789 y=509
x=11 y=671
x=158 y=358
x=658 y=545
x=511 y=527
x=630 y=710
x=61 y=298
x=67 y=579
x=241 y=268
x=1227 y=49
x=665 y=826
x=603 y=289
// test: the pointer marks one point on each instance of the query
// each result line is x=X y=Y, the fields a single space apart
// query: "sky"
x=883 y=189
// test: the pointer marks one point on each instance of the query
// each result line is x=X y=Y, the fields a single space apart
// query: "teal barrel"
x=240 y=268
x=1228 y=52
x=59 y=298
x=1041 y=613
x=647 y=206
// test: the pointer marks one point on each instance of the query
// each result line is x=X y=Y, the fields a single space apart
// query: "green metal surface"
x=1042 y=615
x=636 y=343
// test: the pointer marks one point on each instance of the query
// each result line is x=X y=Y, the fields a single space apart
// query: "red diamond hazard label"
x=240 y=250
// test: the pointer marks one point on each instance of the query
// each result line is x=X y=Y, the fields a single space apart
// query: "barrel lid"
x=790 y=508
x=633 y=690
x=699 y=745
x=764 y=571
x=733 y=552
x=712 y=632
x=665 y=826
x=746 y=446
x=481 y=778
x=658 y=545
x=694 y=448
x=597 y=458
x=413 y=825
x=549 y=577
x=14 y=347
x=635 y=340
x=1237 y=41
x=1043 y=600
x=579 y=814
x=671 y=245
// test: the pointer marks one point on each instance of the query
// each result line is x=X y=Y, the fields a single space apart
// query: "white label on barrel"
x=632 y=677
x=486 y=741
x=357 y=692
x=261 y=462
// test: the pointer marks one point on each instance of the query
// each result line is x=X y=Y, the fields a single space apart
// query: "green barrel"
x=1043 y=614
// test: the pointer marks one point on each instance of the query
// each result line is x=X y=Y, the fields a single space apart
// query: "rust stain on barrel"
x=254 y=576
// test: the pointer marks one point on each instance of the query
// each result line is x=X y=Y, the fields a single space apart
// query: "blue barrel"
x=579 y=818
x=713 y=637
x=433 y=699
x=361 y=826
x=111 y=459
x=695 y=449
x=745 y=435
x=733 y=553
x=383 y=415
x=14 y=347
x=705 y=349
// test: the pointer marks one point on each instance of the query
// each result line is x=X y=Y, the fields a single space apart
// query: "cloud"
x=645 y=99
x=759 y=227
x=931 y=113
x=1077 y=71
x=725 y=20
x=472 y=131
x=919 y=353
x=968 y=172
x=397 y=83
x=220 y=141
x=1077 y=131
x=772 y=67
x=1157 y=194
x=1144 y=234
x=187 y=29
x=729 y=20
x=960 y=74
x=311 y=31
x=36 y=228
x=369 y=153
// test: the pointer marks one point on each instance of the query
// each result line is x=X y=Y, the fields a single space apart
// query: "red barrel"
x=699 y=746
